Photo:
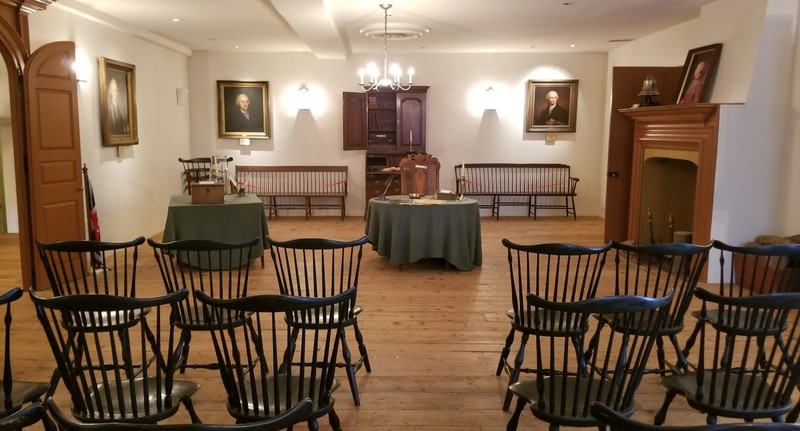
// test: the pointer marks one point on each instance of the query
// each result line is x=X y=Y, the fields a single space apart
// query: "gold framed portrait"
x=118 y=102
x=699 y=71
x=550 y=106
x=243 y=109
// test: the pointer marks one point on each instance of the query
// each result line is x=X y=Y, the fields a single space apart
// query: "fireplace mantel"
x=687 y=113
x=684 y=128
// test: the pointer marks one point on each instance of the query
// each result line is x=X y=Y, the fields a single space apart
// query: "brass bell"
x=648 y=91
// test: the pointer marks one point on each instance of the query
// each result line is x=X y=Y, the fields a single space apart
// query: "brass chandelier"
x=369 y=77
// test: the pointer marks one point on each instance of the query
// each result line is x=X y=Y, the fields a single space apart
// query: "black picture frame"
x=538 y=115
x=703 y=60
x=232 y=122
x=118 y=120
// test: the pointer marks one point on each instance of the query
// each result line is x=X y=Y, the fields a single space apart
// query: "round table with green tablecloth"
x=407 y=230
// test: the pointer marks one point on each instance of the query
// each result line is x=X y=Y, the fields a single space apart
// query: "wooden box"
x=208 y=193
x=445 y=196
x=758 y=277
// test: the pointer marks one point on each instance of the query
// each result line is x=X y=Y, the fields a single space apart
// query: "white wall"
x=751 y=194
x=737 y=24
x=458 y=129
x=132 y=184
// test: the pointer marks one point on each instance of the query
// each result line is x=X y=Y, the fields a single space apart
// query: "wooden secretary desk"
x=388 y=125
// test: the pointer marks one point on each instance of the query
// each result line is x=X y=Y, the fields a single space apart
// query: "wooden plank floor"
x=434 y=335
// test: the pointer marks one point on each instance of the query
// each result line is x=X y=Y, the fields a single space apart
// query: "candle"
x=462 y=169
x=410 y=138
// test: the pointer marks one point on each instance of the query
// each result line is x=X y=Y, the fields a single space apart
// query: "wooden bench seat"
x=528 y=180
x=295 y=187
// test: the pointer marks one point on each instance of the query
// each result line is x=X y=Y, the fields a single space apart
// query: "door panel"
x=411 y=123
x=355 y=121
x=626 y=84
x=54 y=157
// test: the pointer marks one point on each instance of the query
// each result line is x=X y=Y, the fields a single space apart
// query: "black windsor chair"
x=288 y=355
x=25 y=417
x=316 y=268
x=654 y=270
x=298 y=413
x=620 y=422
x=17 y=395
x=111 y=370
x=565 y=385
x=747 y=365
x=556 y=272
x=219 y=269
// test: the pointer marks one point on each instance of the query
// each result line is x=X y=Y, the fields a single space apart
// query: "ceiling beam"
x=313 y=23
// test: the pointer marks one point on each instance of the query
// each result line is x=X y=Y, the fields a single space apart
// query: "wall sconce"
x=245 y=142
x=181 y=94
x=490 y=99
x=303 y=97
x=81 y=68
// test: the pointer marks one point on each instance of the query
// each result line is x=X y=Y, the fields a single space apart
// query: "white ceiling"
x=330 y=28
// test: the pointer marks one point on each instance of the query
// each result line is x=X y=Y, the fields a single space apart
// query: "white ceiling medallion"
x=395 y=31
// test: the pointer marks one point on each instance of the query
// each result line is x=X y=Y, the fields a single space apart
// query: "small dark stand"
x=389 y=180
x=648 y=101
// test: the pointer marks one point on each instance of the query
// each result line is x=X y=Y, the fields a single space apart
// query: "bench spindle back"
x=306 y=182
x=531 y=180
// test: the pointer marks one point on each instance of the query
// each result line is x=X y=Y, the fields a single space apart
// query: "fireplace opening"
x=669 y=183
x=681 y=140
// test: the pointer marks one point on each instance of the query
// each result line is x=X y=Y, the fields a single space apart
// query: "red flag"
x=94 y=223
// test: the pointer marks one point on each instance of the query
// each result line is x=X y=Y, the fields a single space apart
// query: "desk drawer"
x=376 y=184
x=208 y=193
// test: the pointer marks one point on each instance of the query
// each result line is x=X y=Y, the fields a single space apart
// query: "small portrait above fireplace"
x=697 y=77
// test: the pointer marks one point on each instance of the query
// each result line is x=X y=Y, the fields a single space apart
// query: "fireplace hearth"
x=673 y=170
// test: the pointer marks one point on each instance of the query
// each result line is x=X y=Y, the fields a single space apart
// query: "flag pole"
x=85 y=171
x=92 y=221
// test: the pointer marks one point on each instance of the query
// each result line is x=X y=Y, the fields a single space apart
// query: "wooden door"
x=354 y=116
x=625 y=87
x=411 y=121
x=54 y=152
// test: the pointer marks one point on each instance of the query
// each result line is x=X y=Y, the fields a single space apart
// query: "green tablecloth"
x=406 y=232
x=237 y=220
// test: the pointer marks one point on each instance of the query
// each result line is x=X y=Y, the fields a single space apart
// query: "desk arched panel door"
x=419 y=173
x=49 y=91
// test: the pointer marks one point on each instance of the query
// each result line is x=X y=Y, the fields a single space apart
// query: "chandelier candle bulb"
x=376 y=81
x=462 y=169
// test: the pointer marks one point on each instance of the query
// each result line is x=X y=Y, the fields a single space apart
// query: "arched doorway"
x=9 y=215
x=15 y=53
x=46 y=141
